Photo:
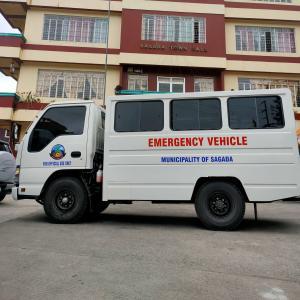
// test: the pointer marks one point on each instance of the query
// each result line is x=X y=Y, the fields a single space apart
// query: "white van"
x=217 y=150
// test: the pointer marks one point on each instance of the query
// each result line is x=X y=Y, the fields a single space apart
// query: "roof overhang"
x=14 y=12
x=10 y=50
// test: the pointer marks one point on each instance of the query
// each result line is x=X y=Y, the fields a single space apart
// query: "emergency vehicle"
x=216 y=150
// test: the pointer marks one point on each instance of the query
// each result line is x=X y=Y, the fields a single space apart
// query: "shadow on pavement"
x=248 y=225
x=110 y=219
x=274 y=226
x=146 y=220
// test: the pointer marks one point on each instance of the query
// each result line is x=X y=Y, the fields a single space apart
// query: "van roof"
x=72 y=102
x=64 y=102
x=283 y=91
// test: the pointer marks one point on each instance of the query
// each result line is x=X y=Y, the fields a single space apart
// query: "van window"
x=255 y=112
x=139 y=116
x=55 y=122
x=196 y=114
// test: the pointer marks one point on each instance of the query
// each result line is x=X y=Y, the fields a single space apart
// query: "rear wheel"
x=65 y=200
x=220 y=205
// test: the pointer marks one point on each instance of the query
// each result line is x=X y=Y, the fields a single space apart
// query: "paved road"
x=145 y=251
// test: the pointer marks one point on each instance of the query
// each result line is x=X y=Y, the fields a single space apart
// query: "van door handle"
x=76 y=154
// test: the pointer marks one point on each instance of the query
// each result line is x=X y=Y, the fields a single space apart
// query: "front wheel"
x=65 y=200
x=2 y=194
x=220 y=205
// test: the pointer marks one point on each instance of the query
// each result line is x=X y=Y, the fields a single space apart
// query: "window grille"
x=75 y=29
x=70 y=84
x=256 y=83
x=174 y=29
x=204 y=85
x=265 y=39
x=138 y=82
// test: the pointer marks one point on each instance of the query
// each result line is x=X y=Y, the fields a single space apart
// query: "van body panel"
x=163 y=165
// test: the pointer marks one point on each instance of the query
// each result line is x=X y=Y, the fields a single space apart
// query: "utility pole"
x=106 y=52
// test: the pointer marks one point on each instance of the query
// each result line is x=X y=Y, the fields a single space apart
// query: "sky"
x=7 y=84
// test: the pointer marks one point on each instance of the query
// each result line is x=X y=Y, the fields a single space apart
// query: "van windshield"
x=55 y=122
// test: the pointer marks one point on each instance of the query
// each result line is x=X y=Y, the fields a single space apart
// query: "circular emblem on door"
x=58 y=152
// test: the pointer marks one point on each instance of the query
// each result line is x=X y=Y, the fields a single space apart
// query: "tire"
x=2 y=194
x=65 y=201
x=220 y=205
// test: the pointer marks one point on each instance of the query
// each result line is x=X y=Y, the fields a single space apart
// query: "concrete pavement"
x=145 y=251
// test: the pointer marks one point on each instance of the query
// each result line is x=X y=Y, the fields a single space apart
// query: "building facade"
x=88 y=49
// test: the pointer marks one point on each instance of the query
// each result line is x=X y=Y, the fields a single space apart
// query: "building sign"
x=173 y=47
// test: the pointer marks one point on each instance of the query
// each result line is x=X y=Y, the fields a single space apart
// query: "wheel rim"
x=219 y=204
x=65 y=200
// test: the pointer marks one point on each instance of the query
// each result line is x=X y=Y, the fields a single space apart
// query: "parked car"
x=4 y=146
x=7 y=169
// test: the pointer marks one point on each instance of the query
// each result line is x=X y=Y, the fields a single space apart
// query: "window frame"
x=31 y=134
x=199 y=78
x=78 y=22
x=173 y=22
x=255 y=83
x=171 y=83
x=199 y=99
x=135 y=77
x=268 y=128
x=260 y=42
x=138 y=101
x=69 y=78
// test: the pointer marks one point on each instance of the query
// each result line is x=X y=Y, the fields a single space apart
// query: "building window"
x=265 y=39
x=70 y=84
x=256 y=83
x=170 y=84
x=139 y=116
x=138 y=82
x=196 y=114
x=276 y=1
x=174 y=29
x=204 y=84
x=255 y=112
x=75 y=29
